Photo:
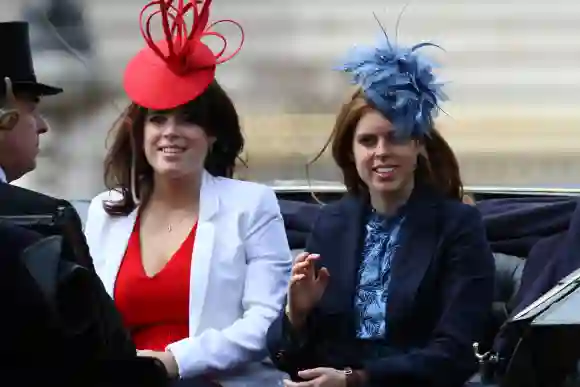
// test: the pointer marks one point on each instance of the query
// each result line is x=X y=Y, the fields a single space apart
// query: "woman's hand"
x=319 y=377
x=166 y=358
x=306 y=288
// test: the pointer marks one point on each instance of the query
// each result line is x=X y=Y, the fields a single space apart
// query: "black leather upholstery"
x=508 y=276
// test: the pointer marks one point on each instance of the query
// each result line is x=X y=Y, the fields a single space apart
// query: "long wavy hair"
x=126 y=168
x=437 y=166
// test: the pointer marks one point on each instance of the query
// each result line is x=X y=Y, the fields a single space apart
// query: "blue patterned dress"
x=380 y=244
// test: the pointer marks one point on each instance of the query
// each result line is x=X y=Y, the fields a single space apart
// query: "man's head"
x=20 y=93
x=20 y=128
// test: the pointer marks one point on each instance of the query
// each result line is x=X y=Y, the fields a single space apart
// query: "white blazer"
x=239 y=277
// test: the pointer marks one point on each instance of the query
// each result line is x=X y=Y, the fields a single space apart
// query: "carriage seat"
x=508 y=277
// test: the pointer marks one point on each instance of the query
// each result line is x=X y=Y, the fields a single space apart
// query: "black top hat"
x=16 y=62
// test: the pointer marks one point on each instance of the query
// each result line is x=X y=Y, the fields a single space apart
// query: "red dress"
x=155 y=309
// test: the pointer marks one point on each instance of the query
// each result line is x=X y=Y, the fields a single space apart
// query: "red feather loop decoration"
x=177 y=69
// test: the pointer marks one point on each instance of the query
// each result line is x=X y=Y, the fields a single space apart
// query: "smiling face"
x=385 y=163
x=174 y=147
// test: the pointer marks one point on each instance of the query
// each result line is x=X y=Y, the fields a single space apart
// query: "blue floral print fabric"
x=380 y=245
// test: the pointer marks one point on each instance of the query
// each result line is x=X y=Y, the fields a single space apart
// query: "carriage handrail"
x=331 y=187
x=523 y=190
x=323 y=187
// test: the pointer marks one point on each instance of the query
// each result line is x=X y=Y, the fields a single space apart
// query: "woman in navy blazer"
x=397 y=279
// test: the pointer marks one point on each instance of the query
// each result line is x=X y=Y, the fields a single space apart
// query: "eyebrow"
x=378 y=132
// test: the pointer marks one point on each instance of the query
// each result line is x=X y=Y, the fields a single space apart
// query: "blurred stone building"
x=513 y=70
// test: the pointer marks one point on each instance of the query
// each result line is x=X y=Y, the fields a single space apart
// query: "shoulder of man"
x=21 y=201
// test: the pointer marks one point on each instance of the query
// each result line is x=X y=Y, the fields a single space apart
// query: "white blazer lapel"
x=114 y=247
x=202 y=250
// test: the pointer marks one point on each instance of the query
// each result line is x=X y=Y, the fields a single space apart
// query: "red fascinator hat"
x=176 y=70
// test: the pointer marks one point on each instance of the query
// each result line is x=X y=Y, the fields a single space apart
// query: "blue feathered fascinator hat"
x=399 y=82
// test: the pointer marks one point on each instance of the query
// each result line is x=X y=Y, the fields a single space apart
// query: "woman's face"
x=174 y=147
x=385 y=163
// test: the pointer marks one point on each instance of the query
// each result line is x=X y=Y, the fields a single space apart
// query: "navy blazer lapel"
x=418 y=244
x=345 y=253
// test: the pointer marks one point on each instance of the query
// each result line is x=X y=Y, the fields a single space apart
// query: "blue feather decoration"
x=399 y=82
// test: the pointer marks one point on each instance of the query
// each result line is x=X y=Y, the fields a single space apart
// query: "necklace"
x=170 y=226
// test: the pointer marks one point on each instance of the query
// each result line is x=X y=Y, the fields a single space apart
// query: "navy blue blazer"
x=440 y=296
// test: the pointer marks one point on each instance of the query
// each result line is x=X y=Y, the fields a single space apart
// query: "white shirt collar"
x=2 y=176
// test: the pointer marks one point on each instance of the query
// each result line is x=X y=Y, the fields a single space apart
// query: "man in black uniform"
x=20 y=128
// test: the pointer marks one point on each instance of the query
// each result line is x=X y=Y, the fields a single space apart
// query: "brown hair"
x=213 y=111
x=438 y=167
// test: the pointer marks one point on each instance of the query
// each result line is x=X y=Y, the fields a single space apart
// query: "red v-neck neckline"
x=184 y=249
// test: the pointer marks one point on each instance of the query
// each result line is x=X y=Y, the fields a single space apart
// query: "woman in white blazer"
x=197 y=263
